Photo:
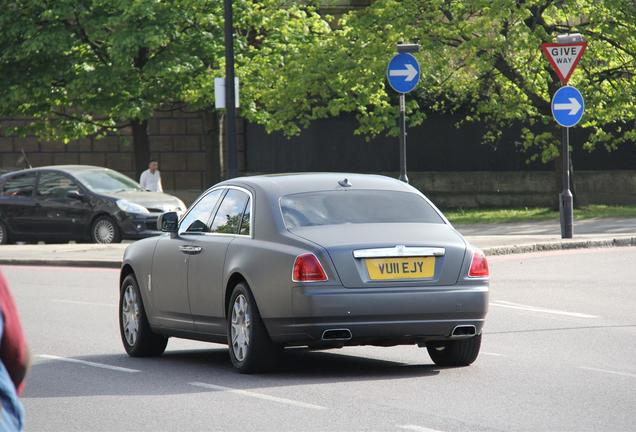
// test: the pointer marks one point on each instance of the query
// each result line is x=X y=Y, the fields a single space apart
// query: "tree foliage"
x=480 y=58
x=91 y=67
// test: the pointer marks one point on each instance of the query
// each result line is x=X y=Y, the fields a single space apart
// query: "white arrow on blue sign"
x=567 y=106
x=403 y=73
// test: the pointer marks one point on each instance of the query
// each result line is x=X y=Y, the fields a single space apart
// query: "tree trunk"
x=141 y=145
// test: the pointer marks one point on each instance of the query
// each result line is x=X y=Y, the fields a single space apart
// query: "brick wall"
x=185 y=144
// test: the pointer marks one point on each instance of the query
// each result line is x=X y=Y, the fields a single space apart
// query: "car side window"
x=196 y=221
x=21 y=185
x=55 y=185
x=230 y=213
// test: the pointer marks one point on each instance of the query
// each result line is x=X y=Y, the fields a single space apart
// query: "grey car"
x=318 y=260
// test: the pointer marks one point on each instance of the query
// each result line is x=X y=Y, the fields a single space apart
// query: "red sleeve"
x=14 y=352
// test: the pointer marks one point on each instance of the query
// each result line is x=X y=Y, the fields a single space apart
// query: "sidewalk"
x=521 y=237
x=494 y=239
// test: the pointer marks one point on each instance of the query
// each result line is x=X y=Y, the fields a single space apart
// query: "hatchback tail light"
x=478 y=265
x=307 y=268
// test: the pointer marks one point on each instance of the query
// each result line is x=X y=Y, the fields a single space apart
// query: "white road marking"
x=258 y=395
x=511 y=305
x=88 y=363
x=625 y=374
x=83 y=302
x=492 y=354
x=417 y=428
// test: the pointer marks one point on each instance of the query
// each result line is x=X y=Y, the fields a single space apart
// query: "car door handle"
x=190 y=250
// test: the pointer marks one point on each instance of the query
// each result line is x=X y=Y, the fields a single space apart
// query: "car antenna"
x=24 y=159
x=344 y=182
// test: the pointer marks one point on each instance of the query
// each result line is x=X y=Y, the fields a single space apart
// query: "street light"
x=569 y=38
x=230 y=102
x=408 y=48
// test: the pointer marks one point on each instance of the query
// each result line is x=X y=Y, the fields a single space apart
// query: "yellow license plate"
x=400 y=268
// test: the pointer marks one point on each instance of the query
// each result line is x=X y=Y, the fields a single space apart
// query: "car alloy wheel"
x=130 y=315
x=241 y=327
x=104 y=231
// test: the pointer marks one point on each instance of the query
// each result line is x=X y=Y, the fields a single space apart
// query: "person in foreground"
x=14 y=362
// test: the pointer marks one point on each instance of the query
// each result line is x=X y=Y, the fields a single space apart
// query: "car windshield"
x=106 y=180
x=356 y=207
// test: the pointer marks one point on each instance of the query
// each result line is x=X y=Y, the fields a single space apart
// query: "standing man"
x=151 y=178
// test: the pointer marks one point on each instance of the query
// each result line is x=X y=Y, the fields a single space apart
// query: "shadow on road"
x=171 y=373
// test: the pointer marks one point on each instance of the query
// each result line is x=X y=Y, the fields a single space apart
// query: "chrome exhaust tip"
x=336 y=335
x=464 y=331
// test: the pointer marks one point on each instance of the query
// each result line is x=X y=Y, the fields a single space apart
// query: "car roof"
x=69 y=169
x=286 y=184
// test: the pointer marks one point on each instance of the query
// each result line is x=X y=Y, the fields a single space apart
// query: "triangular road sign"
x=564 y=57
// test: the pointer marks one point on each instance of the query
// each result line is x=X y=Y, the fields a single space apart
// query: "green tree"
x=93 y=67
x=481 y=58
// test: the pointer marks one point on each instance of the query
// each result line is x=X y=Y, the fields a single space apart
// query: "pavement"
x=557 y=354
x=494 y=239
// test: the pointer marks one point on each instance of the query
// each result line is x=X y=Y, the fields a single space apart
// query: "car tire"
x=105 y=230
x=4 y=234
x=251 y=349
x=138 y=338
x=461 y=352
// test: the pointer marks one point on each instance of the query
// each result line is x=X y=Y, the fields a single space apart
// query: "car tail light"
x=478 y=265
x=307 y=268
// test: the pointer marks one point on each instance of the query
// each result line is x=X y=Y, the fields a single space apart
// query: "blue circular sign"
x=403 y=73
x=567 y=106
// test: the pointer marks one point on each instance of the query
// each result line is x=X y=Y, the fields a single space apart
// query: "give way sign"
x=564 y=57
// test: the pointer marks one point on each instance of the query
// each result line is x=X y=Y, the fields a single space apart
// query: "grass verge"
x=474 y=216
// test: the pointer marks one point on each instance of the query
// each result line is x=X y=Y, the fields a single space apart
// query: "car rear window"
x=356 y=207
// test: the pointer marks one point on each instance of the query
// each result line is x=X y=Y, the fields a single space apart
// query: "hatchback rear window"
x=356 y=207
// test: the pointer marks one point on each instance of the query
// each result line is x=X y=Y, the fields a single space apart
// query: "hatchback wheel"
x=251 y=349
x=136 y=334
x=105 y=230
x=461 y=352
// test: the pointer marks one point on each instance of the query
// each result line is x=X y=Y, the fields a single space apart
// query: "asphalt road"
x=558 y=354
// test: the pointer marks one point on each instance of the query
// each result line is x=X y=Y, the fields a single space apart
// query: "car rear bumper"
x=380 y=316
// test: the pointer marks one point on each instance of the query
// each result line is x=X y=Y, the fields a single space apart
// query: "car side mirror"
x=168 y=222
x=74 y=194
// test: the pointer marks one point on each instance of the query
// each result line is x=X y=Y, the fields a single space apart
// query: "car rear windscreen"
x=356 y=207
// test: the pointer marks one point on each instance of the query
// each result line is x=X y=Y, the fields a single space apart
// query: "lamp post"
x=230 y=103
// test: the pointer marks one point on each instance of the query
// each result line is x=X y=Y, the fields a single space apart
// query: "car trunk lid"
x=351 y=245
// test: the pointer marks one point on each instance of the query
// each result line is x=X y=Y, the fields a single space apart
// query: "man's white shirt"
x=151 y=181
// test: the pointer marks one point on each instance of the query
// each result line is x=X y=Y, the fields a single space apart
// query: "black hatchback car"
x=78 y=202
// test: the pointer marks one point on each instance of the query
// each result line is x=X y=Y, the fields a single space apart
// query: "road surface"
x=558 y=354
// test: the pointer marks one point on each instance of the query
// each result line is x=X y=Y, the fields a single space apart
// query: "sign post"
x=567 y=109
x=403 y=74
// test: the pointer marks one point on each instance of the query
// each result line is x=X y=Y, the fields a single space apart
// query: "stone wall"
x=470 y=189
x=185 y=144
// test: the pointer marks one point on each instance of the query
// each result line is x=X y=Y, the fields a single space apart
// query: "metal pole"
x=566 y=202
x=403 y=175
x=230 y=98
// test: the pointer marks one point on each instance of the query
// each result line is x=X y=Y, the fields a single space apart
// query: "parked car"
x=318 y=260
x=78 y=202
